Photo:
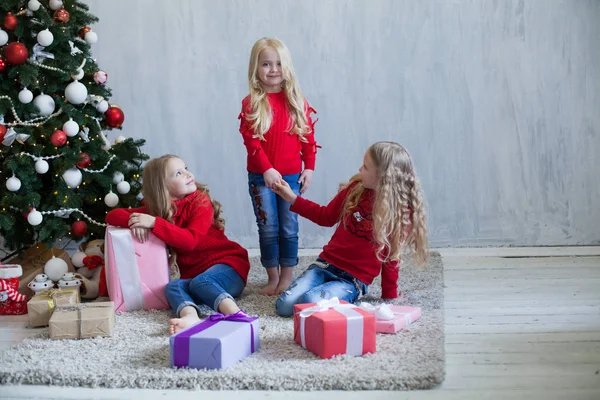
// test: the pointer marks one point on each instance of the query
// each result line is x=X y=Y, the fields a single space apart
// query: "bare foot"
x=179 y=324
x=270 y=288
x=285 y=278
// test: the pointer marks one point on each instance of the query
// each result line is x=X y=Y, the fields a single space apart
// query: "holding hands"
x=283 y=189
x=305 y=180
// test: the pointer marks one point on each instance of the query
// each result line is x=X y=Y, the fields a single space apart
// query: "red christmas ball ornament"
x=16 y=53
x=79 y=228
x=84 y=160
x=114 y=117
x=10 y=22
x=2 y=132
x=62 y=16
x=83 y=30
x=2 y=64
x=58 y=138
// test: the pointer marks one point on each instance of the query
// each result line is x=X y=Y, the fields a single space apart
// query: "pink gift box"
x=136 y=273
x=403 y=316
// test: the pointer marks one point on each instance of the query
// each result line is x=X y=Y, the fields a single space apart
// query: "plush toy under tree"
x=59 y=172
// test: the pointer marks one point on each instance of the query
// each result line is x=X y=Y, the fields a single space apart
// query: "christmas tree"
x=60 y=174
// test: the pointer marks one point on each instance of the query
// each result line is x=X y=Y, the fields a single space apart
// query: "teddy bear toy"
x=40 y=282
x=89 y=261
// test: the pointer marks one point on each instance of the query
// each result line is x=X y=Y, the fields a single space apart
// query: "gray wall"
x=497 y=101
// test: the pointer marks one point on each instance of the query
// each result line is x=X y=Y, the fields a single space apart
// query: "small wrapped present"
x=332 y=327
x=136 y=273
x=390 y=318
x=33 y=260
x=42 y=305
x=82 y=321
x=215 y=343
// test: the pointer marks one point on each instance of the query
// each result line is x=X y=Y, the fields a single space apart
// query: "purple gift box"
x=215 y=343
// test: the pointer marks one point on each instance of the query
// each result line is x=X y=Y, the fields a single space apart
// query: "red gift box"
x=332 y=327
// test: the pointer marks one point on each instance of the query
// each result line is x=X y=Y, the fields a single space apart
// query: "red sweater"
x=279 y=150
x=198 y=243
x=352 y=248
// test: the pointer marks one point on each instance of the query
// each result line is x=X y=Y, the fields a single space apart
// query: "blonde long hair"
x=157 y=199
x=398 y=212
x=260 y=111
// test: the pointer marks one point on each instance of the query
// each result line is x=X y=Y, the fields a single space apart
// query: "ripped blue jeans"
x=321 y=280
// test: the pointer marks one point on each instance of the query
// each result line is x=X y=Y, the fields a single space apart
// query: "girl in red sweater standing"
x=181 y=213
x=279 y=137
x=378 y=213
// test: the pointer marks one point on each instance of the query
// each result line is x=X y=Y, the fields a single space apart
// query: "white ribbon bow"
x=325 y=305
x=39 y=54
x=12 y=135
x=382 y=311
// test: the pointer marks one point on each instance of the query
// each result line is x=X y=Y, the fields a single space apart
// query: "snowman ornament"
x=69 y=281
x=40 y=282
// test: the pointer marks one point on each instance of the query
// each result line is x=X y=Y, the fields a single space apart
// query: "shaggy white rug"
x=137 y=355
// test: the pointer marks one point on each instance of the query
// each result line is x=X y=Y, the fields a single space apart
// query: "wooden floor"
x=521 y=323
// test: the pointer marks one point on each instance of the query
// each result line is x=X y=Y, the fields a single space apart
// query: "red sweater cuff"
x=160 y=228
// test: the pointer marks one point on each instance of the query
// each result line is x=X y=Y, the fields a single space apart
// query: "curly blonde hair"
x=398 y=212
x=157 y=199
x=260 y=111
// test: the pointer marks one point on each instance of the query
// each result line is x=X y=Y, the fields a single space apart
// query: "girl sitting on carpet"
x=379 y=213
x=180 y=212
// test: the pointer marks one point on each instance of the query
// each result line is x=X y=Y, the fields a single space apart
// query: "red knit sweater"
x=279 y=150
x=198 y=243
x=351 y=248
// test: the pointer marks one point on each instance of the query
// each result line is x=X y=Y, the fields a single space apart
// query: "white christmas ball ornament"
x=120 y=139
x=76 y=92
x=102 y=106
x=77 y=75
x=77 y=258
x=45 y=37
x=91 y=37
x=111 y=199
x=3 y=37
x=33 y=5
x=55 y=5
x=13 y=184
x=70 y=128
x=25 y=96
x=34 y=217
x=45 y=104
x=73 y=177
x=55 y=268
x=41 y=166
x=118 y=177
x=123 y=187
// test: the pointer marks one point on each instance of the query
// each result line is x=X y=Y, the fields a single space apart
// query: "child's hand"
x=283 y=189
x=305 y=180
x=139 y=220
x=140 y=233
x=271 y=176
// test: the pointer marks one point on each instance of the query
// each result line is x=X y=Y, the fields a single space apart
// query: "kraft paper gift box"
x=33 y=260
x=215 y=343
x=333 y=327
x=136 y=273
x=82 y=321
x=41 y=306
x=390 y=318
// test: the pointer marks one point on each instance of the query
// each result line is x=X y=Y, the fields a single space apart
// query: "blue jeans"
x=321 y=280
x=277 y=225
x=217 y=283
